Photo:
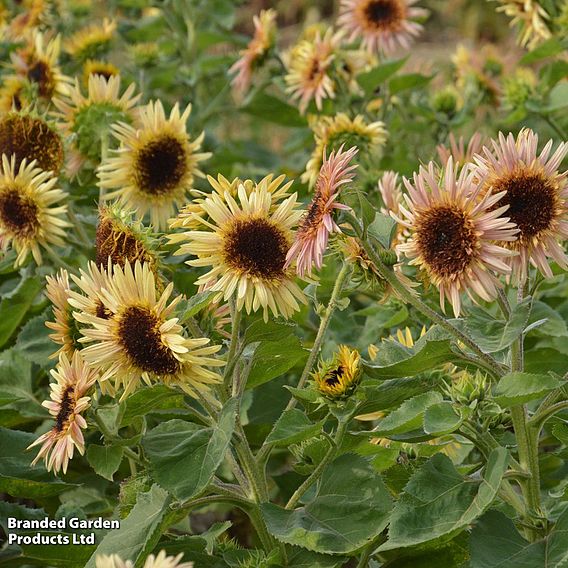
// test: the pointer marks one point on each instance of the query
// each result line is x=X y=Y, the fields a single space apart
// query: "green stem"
x=104 y=157
x=57 y=260
x=389 y=275
x=78 y=226
x=543 y=415
x=232 y=354
x=324 y=324
x=556 y=127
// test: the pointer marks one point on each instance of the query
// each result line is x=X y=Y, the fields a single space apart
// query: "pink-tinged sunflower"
x=137 y=339
x=73 y=381
x=312 y=236
x=389 y=188
x=309 y=64
x=159 y=561
x=536 y=195
x=29 y=218
x=245 y=241
x=453 y=229
x=155 y=165
x=458 y=150
x=252 y=56
x=382 y=25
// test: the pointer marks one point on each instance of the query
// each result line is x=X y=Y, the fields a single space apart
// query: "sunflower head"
x=123 y=239
x=145 y=54
x=29 y=137
x=338 y=377
x=92 y=41
x=15 y=94
x=98 y=67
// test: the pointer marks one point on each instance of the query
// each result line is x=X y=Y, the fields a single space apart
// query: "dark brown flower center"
x=101 y=311
x=65 y=409
x=141 y=339
x=161 y=165
x=532 y=201
x=41 y=74
x=256 y=247
x=31 y=139
x=333 y=377
x=446 y=240
x=18 y=213
x=384 y=14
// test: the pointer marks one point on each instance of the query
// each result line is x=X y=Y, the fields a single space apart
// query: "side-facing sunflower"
x=28 y=218
x=453 y=230
x=92 y=41
x=15 y=94
x=154 y=167
x=73 y=381
x=245 y=240
x=98 y=67
x=137 y=339
x=86 y=119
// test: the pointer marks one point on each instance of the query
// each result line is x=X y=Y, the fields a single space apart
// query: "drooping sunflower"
x=309 y=66
x=29 y=137
x=28 y=218
x=382 y=25
x=453 y=230
x=154 y=167
x=73 y=381
x=92 y=41
x=38 y=63
x=85 y=119
x=97 y=67
x=252 y=56
x=536 y=194
x=318 y=223
x=338 y=378
x=139 y=340
x=245 y=240
x=159 y=561
x=332 y=132
x=65 y=329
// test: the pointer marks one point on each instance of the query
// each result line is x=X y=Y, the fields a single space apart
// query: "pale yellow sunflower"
x=86 y=119
x=29 y=216
x=14 y=94
x=73 y=381
x=159 y=561
x=97 y=67
x=531 y=18
x=91 y=41
x=245 y=241
x=137 y=339
x=154 y=167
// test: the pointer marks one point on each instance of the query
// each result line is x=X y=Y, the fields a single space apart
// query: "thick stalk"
x=389 y=275
x=104 y=157
x=324 y=324
x=231 y=356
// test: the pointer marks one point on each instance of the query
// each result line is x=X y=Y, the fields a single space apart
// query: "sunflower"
x=38 y=63
x=331 y=132
x=65 y=328
x=30 y=138
x=383 y=25
x=14 y=94
x=245 y=240
x=461 y=153
x=91 y=283
x=309 y=64
x=531 y=17
x=155 y=165
x=453 y=229
x=92 y=41
x=28 y=219
x=97 y=67
x=138 y=340
x=252 y=56
x=338 y=378
x=73 y=380
x=87 y=119
x=121 y=239
x=316 y=226
x=536 y=194
x=159 y=561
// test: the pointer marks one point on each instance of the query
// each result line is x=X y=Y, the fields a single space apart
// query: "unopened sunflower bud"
x=446 y=101
x=518 y=88
x=338 y=378
x=469 y=388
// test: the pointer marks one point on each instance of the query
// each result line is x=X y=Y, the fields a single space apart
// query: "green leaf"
x=553 y=323
x=350 y=508
x=441 y=418
x=148 y=399
x=496 y=543
x=438 y=501
x=17 y=477
x=140 y=531
x=370 y=80
x=34 y=342
x=549 y=48
x=260 y=330
x=383 y=228
x=15 y=305
x=292 y=427
x=408 y=81
x=557 y=98
x=184 y=456
x=408 y=416
x=518 y=388
x=196 y=303
x=271 y=109
x=273 y=358
x=105 y=460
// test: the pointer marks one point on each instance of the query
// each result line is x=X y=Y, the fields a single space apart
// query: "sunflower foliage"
x=284 y=288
